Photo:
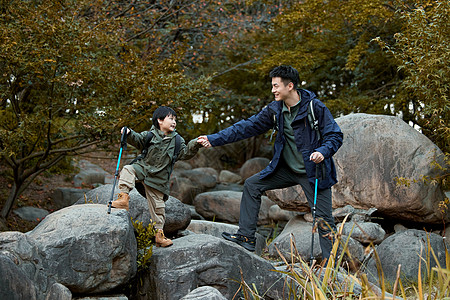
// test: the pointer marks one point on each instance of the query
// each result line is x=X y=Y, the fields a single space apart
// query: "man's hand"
x=316 y=157
x=128 y=130
x=203 y=140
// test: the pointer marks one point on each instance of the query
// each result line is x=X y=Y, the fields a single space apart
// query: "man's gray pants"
x=284 y=177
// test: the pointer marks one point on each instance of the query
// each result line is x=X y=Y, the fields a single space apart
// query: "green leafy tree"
x=70 y=80
x=422 y=50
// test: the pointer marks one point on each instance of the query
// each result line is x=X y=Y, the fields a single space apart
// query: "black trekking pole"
x=313 y=211
x=123 y=146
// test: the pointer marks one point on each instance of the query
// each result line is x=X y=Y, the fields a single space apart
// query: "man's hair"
x=161 y=113
x=287 y=74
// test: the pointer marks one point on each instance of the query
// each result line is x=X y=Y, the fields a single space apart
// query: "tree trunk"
x=11 y=200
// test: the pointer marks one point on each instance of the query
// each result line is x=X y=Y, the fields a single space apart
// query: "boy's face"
x=168 y=124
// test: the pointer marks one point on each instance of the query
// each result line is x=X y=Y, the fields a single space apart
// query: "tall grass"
x=331 y=281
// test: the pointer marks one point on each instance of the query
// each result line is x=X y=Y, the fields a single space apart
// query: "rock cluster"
x=80 y=250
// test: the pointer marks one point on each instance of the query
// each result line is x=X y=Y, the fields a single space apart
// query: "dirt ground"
x=38 y=194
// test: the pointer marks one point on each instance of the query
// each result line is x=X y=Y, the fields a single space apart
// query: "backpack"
x=139 y=185
x=313 y=122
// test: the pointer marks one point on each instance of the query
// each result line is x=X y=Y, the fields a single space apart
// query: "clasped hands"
x=203 y=140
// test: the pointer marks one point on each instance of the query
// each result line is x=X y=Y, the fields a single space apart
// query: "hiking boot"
x=246 y=242
x=121 y=202
x=161 y=240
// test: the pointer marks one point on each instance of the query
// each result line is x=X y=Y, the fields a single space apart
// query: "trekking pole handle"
x=123 y=139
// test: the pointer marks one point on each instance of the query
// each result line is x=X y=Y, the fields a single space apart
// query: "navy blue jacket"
x=306 y=139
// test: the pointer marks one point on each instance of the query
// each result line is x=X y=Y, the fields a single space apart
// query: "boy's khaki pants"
x=154 y=197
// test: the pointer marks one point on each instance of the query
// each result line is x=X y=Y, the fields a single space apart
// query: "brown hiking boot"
x=122 y=201
x=161 y=240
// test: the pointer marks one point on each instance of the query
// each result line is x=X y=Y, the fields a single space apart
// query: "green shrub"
x=145 y=241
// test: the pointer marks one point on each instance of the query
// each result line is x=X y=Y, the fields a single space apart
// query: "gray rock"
x=365 y=232
x=253 y=166
x=277 y=214
x=14 y=282
x=25 y=254
x=200 y=178
x=301 y=231
x=182 y=165
x=399 y=228
x=226 y=176
x=354 y=253
x=406 y=248
x=447 y=236
x=377 y=149
x=204 y=293
x=178 y=216
x=216 y=229
x=183 y=188
x=86 y=249
x=107 y=297
x=59 y=292
x=340 y=213
x=224 y=206
x=30 y=213
x=90 y=174
x=210 y=171
x=63 y=197
x=228 y=187
x=203 y=260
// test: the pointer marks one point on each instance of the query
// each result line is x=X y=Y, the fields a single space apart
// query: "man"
x=297 y=150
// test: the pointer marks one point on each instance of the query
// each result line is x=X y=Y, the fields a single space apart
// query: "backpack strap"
x=177 y=150
x=313 y=122
x=275 y=125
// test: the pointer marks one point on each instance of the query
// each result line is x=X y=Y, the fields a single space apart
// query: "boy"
x=154 y=169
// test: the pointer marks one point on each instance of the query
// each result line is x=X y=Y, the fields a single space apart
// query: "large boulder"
x=378 y=149
x=407 y=248
x=202 y=260
x=86 y=249
x=177 y=214
x=224 y=206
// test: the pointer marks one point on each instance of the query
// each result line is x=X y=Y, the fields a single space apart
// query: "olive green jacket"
x=155 y=168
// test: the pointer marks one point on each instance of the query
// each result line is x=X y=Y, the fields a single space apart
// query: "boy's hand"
x=203 y=140
x=128 y=130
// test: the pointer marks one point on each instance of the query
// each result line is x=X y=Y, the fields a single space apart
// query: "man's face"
x=279 y=90
x=168 y=124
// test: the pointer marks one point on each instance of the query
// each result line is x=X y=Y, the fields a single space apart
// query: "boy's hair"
x=287 y=74
x=161 y=113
